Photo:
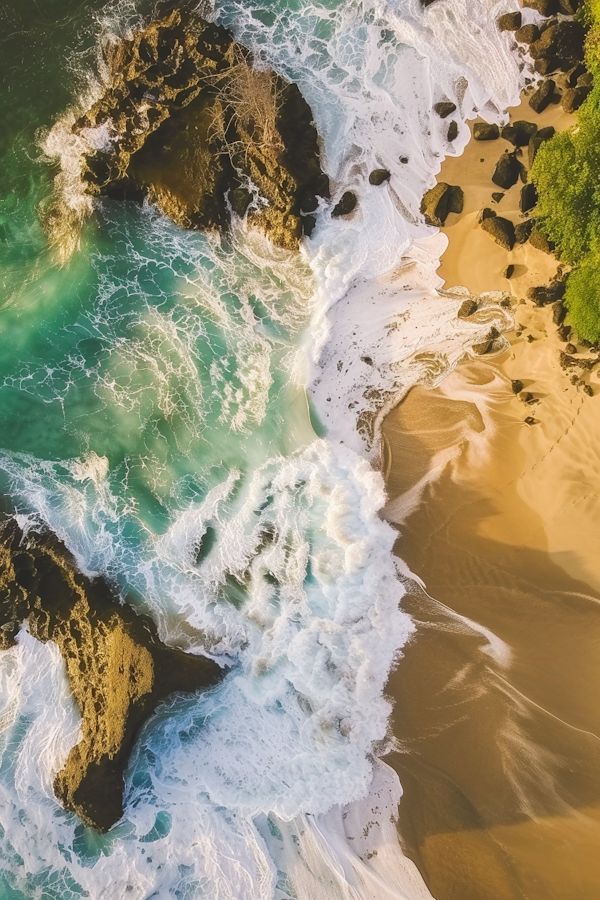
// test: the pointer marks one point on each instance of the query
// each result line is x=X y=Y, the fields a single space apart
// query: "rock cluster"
x=118 y=669
x=201 y=132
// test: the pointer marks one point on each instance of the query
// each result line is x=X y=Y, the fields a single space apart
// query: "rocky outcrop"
x=118 y=669
x=501 y=230
x=564 y=40
x=193 y=126
x=441 y=200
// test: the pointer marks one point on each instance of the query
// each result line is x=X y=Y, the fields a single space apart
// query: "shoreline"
x=491 y=697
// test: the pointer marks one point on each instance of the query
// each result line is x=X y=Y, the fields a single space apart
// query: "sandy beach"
x=496 y=715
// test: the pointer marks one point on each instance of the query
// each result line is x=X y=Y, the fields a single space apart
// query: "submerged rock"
x=118 y=669
x=192 y=122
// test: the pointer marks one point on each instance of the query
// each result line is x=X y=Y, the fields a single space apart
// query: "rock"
x=508 y=271
x=444 y=108
x=563 y=40
x=544 y=7
x=509 y=21
x=519 y=133
x=539 y=240
x=441 y=200
x=467 y=308
x=569 y=7
x=117 y=667
x=484 y=131
x=545 y=294
x=588 y=389
x=574 y=97
x=497 y=196
x=527 y=34
x=507 y=171
x=452 y=131
x=526 y=397
x=559 y=312
x=586 y=80
x=528 y=198
x=501 y=230
x=516 y=386
x=378 y=176
x=308 y=225
x=571 y=77
x=506 y=302
x=547 y=66
x=564 y=332
x=544 y=134
x=345 y=205
x=530 y=421
x=541 y=98
x=570 y=348
x=523 y=231
x=193 y=123
x=486 y=213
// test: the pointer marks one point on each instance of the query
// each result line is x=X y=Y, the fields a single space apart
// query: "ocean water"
x=198 y=420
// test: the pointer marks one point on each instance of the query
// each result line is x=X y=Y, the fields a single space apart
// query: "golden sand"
x=497 y=712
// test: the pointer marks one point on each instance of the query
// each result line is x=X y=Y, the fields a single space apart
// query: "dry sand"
x=497 y=712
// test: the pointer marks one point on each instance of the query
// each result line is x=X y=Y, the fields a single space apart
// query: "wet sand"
x=497 y=715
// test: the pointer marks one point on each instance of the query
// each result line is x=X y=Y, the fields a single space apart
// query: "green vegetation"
x=566 y=173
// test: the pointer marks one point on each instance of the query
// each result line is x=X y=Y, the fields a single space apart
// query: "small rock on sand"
x=484 y=131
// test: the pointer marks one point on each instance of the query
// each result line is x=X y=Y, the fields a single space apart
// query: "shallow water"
x=166 y=407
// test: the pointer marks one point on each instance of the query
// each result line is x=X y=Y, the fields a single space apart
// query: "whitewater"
x=197 y=419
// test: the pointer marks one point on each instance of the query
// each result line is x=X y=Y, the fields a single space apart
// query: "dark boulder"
x=516 y=386
x=530 y=421
x=564 y=333
x=528 y=198
x=452 y=131
x=523 y=231
x=519 y=133
x=559 y=312
x=308 y=225
x=444 y=108
x=570 y=78
x=345 y=205
x=527 y=34
x=564 y=41
x=574 y=97
x=497 y=196
x=485 y=131
x=378 y=176
x=441 y=200
x=546 y=293
x=509 y=21
x=586 y=80
x=507 y=171
x=541 y=98
x=547 y=66
x=508 y=271
x=501 y=231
